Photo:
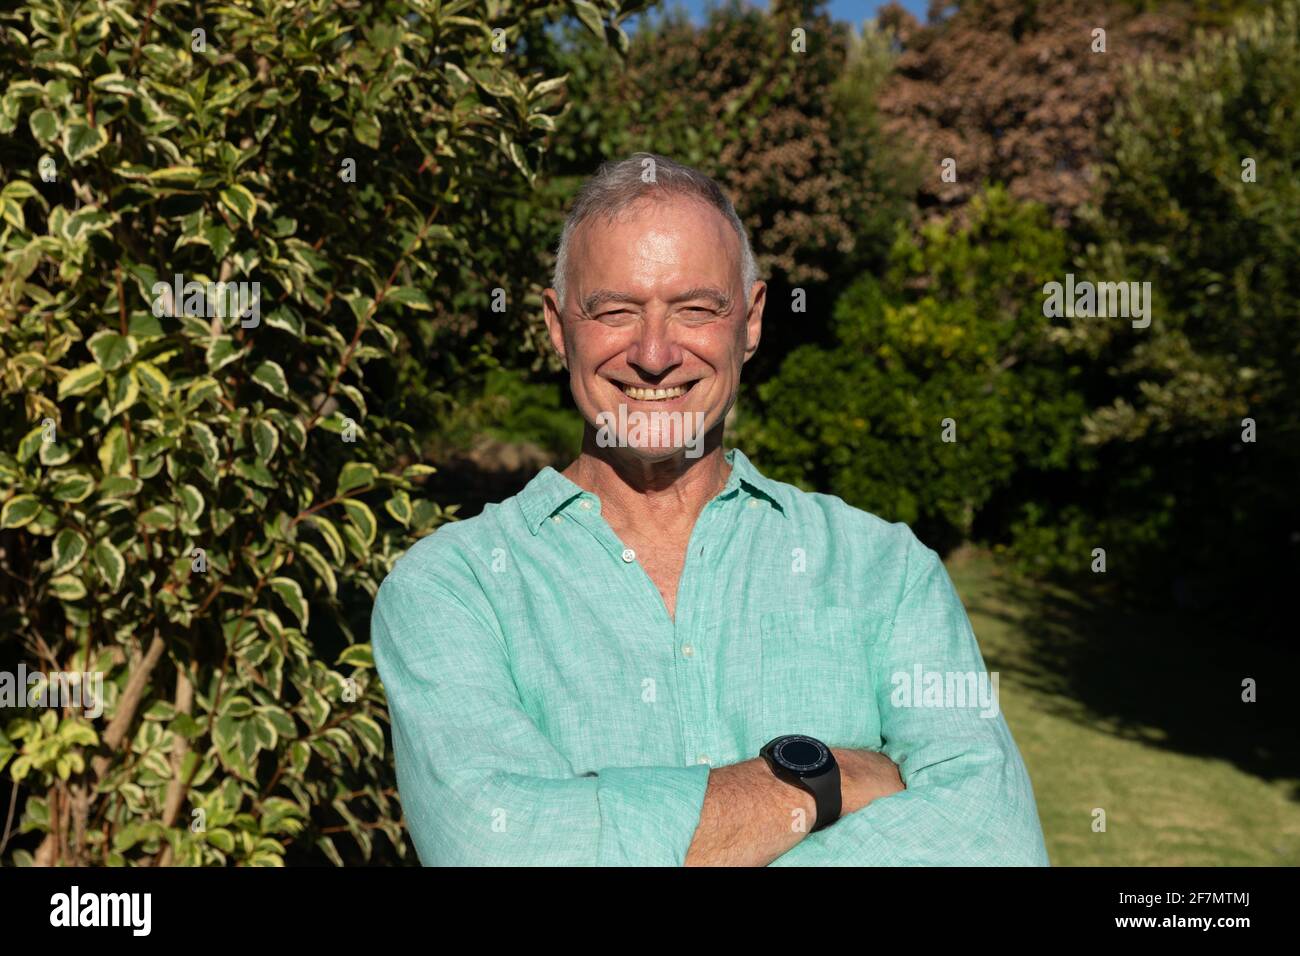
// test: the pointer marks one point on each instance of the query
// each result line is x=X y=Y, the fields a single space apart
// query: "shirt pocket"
x=816 y=674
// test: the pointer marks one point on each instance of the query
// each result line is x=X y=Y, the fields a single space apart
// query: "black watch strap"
x=826 y=791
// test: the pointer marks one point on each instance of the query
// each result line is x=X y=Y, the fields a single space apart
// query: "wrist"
x=866 y=776
x=806 y=764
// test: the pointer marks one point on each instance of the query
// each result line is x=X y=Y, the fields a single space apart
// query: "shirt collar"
x=744 y=476
x=549 y=491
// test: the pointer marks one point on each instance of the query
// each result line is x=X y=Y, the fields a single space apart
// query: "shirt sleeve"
x=480 y=785
x=969 y=801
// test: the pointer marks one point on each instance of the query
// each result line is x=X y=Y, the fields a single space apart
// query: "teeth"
x=654 y=394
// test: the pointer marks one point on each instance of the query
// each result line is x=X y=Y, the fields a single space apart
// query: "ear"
x=754 y=318
x=554 y=323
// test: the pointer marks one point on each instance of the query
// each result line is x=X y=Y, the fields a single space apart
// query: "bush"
x=201 y=506
x=955 y=331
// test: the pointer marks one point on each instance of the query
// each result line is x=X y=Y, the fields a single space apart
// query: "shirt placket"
x=694 y=651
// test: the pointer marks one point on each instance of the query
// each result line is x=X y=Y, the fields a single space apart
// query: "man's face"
x=655 y=318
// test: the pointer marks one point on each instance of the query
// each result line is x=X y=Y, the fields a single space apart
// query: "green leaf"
x=123 y=391
x=23 y=765
x=290 y=592
x=74 y=488
x=159 y=517
x=221 y=352
x=81 y=140
x=371 y=734
x=399 y=506
x=366 y=129
x=55 y=453
x=551 y=85
x=80 y=380
x=110 y=349
x=44 y=125
x=191 y=501
x=360 y=550
x=317 y=707
x=69 y=548
x=516 y=154
x=362 y=517
x=237 y=706
x=111 y=564
x=153 y=379
x=590 y=16
x=286 y=321
x=19 y=510
x=330 y=534
x=206 y=440
x=176 y=174
x=357 y=655
x=318 y=564
x=241 y=202
x=254 y=471
x=113 y=454
x=266 y=439
x=299 y=756
x=31 y=443
x=120 y=486
x=65 y=587
x=202 y=390
x=270 y=376
x=357 y=474
x=410 y=297
x=219 y=238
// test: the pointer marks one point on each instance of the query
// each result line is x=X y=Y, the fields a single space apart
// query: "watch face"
x=801 y=754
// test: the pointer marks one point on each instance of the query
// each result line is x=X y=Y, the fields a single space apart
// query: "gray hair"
x=617 y=185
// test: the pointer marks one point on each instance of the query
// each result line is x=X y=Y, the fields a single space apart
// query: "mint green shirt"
x=546 y=710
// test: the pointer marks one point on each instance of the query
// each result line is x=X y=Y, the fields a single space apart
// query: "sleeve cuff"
x=649 y=815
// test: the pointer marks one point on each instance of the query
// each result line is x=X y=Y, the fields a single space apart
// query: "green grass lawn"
x=1140 y=714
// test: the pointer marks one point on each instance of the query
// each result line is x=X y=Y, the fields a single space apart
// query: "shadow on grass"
x=1170 y=679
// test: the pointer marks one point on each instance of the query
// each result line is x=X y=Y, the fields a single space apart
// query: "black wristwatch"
x=808 y=763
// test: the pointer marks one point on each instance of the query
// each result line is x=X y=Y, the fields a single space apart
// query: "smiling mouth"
x=646 y=394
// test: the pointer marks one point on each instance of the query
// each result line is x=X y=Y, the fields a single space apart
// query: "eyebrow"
x=600 y=297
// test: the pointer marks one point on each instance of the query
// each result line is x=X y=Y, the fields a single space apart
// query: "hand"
x=865 y=775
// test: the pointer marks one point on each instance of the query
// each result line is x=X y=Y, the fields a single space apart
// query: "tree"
x=1200 y=196
x=1017 y=92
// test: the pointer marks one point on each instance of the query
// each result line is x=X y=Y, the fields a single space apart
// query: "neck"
x=666 y=495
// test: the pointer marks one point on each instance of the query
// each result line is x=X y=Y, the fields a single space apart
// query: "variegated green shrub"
x=199 y=499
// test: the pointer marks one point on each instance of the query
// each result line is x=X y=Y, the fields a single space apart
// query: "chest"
x=769 y=629
x=663 y=562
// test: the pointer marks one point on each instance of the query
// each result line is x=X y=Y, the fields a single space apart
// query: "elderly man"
x=658 y=656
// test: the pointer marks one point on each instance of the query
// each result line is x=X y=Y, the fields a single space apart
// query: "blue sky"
x=854 y=11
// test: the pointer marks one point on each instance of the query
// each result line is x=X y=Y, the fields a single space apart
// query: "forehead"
x=677 y=235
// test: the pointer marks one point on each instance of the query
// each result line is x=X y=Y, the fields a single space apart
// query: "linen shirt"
x=546 y=709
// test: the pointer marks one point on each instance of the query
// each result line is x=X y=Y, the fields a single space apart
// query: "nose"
x=653 y=351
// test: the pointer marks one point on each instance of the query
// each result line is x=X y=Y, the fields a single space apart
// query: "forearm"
x=961 y=809
x=749 y=817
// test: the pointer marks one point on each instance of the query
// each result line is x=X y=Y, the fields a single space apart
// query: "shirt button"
x=688 y=650
x=586 y=505
x=628 y=555
x=557 y=519
x=753 y=502
x=702 y=758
